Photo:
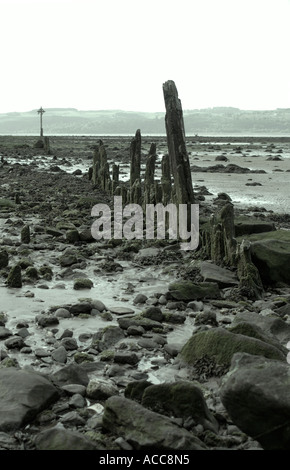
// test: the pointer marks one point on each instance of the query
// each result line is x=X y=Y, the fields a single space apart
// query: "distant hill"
x=214 y=121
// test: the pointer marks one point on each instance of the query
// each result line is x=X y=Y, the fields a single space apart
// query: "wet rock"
x=4 y=259
x=180 y=399
x=187 y=290
x=222 y=276
x=272 y=258
x=23 y=394
x=140 y=299
x=153 y=313
x=15 y=277
x=219 y=346
x=100 y=390
x=145 y=429
x=83 y=283
x=14 y=342
x=126 y=357
x=60 y=355
x=70 y=374
x=255 y=393
x=4 y=332
x=60 y=438
x=270 y=324
x=68 y=258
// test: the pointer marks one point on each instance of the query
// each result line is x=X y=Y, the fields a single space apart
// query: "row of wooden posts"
x=175 y=185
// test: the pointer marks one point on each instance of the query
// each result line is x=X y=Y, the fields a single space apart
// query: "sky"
x=116 y=54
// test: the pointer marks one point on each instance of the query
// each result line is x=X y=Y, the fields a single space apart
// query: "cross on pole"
x=41 y=111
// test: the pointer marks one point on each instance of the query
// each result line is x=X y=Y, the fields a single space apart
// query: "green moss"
x=220 y=345
x=15 y=278
x=83 y=283
x=135 y=389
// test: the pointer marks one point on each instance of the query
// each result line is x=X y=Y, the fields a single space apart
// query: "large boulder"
x=270 y=252
x=59 y=438
x=218 y=345
x=270 y=324
x=256 y=395
x=180 y=399
x=23 y=394
x=187 y=290
x=145 y=429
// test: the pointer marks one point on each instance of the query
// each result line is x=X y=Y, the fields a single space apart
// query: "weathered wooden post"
x=135 y=158
x=178 y=156
x=149 y=186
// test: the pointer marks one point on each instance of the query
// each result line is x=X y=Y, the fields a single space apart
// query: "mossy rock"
x=25 y=234
x=72 y=236
x=134 y=390
x=219 y=345
x=15 y=277
x=182 y=400
x=83 y=283
x=80 y=357
x=187 y=290
x=4 y=259
x=31 y=272
x=254 y=331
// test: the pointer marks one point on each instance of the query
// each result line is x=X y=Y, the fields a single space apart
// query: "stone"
x=82 y=283
x=60 y=355
x=270 y=324
x=187 y=290
x=15 y=277
x=100 y=390
x=23 y=394
x=222 y=276
x=181 y=399
x=59 y=438
x=4 y=259
x=255 y=393
x=70 y=374
x=219 y=345
x=153 y=313
x=145 y=429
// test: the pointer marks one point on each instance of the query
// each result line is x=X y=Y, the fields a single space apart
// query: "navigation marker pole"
x=41 y=111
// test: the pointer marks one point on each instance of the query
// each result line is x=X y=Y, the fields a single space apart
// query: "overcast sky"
x=116 y=54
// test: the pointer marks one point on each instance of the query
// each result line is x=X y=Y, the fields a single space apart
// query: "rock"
x=126 y=358
x=100 y=390
x=140 y=299
x=98 y=305
x=72 y=236
x=254 y=331
x=47 y=320
x=4 y=259
x=219 y=345
x=69 y=257
x=23 y=394
x=4 y=332
x=59 y=438
x=108 y=337
x=70 y=374
x=270 y=324
x=60 y=354
x=255 y=393
x=15 y=277
x=14 y=342
x=182 y=400
x=121 y=310
x=272 y=258
x=153 y=313
x=187 y=290
x=81 y=307
x=139 y=320
x=82 y=283
x=145 y=429
x=222 y=276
